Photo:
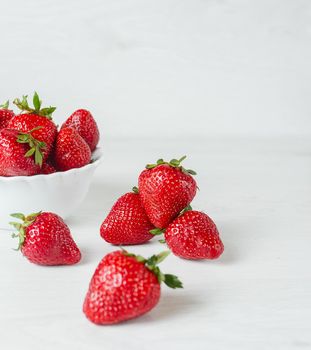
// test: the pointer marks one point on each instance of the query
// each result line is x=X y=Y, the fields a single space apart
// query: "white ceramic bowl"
x=60 y=192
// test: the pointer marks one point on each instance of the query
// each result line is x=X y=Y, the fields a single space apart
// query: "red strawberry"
x=20 y=153
x=125 y=286
x=45 y=239
x=47 y=168
x=36 y=119
x=193 y=235
x=5 y=115
x=71 y=151
x=165 y=190
x=83 y=121
x=127 y=222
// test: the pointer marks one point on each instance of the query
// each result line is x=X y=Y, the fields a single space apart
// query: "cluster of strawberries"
x=124 y=285
x=162 y=205
x=30 y=143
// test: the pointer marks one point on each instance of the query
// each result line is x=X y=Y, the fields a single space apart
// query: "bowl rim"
x=96 y=159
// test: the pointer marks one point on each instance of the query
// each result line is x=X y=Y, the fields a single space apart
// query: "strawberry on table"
x=38 y=119
x=45 y=239
x=125 y=286
x=83 y=121
x=5 y=115
x=71 y=151
x=20 y=153
x=166 y=188
x=127 y=222
x=194 y=235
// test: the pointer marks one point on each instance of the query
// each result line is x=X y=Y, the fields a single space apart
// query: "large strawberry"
x=71 y=151
x=20 y=153
x=5 y=115
x=36 y=118
x=83 y=121
x=125 y=286
x=45 y=239
x=127 y=222
x=165 y=190
x=194 y=235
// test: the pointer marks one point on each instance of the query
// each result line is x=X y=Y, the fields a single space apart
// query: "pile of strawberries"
x=124 y=285
x=31 y=144
x=162 y=205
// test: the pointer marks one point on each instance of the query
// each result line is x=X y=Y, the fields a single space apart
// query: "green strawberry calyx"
x=151 y=263
x=21 y=227
x=175 y=163
x=135 y=190
x=23 y=105
x=35 y=146
x=5 y=105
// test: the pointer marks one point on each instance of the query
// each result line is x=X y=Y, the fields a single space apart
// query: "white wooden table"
x=256 y=296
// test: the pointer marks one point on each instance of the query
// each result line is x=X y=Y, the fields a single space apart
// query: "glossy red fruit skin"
x=194 y=235
x=47 y=168
x=28 y=121
x=127 y=223
x=83 y=121
x=71 y=151
x=121 y=289
x=165 y=191
x=48 y=241
x=12 y=156
x=5 y=116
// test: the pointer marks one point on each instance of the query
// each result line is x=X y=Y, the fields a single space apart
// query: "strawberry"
x=127 y=222
x=194 y=235
x=83 y=121
x=45 y=239
x=47 y=168
x=165 y=189
x=5 y=115
x=20 y=153
x=125 y=286
x=38 y=119
x=71 y=151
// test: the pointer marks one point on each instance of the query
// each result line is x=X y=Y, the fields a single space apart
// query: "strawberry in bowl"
x=37 y=160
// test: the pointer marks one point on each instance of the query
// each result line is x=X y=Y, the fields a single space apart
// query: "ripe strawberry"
x=5 y=115
x=47 y=168
x=71 y=151
x=83 y=121
x=127 y=222
x=36 y=119
x=45 y=239
x=193 y=235
x=16 y=153
x=165 y=189
x=125 y=286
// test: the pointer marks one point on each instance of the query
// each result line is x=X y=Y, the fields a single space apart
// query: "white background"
x=228 y=84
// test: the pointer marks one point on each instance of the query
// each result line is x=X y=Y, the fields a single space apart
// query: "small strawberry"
x=127 y=222
x=83 y=121
x=71 y=151
x=125 y=286
x=45 y=239
x=36 y=118
x=165 y=189
x=5 y=115
x=193 y=235
x=47 y=168
x=20 y=153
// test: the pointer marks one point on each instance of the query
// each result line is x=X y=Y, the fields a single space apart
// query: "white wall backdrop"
x=164 y=67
